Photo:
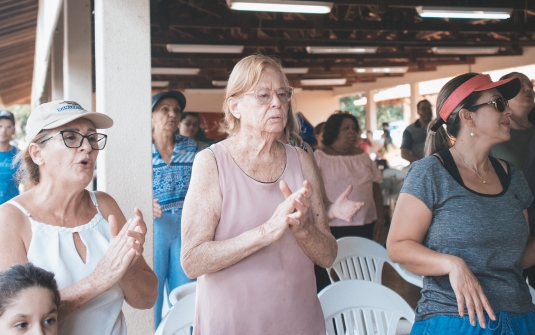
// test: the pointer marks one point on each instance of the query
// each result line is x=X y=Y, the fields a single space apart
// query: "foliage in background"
x=389 y=113
x=347 y=105
x=21 y=112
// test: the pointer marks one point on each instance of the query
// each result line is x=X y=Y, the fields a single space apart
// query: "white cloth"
x=52 y=248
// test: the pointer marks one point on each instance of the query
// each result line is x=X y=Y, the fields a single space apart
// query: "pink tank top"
x=272 y=291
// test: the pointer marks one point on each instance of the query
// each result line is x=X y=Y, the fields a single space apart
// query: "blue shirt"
x=170 y=182
x=8 y=186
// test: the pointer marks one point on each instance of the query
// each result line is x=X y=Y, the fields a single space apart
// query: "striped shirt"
x=170 y=182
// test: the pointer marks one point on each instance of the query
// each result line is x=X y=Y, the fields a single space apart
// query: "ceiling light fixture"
x=161 y=83
x=323 y=82
x=341 y=50
x=295 y=70
x=464 y=13
x=309 y=7
x=174 y=71
x=392 y=69
x=219 y=83
x=466 y=50
x=202 y=48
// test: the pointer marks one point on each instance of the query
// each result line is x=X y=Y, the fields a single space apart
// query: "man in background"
x=413 y=143
x=8 y=185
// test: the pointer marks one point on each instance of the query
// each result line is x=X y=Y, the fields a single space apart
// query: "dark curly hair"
x=20 y=277
x=333 y=124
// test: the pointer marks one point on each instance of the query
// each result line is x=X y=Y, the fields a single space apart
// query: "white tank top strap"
x=94 y=199
x=19 y=206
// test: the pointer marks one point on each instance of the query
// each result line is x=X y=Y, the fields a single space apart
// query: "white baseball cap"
x=57 y=113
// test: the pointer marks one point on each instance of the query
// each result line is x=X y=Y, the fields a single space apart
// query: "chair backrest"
x=182 y=291
x=362 y=307
x=359 y=258
x=179 y=320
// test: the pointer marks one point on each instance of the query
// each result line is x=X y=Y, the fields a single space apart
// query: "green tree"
x=389 y=113
x=21 y=112
x=347 y=105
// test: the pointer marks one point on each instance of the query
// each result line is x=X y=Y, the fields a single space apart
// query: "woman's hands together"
x=468 y=292
x=156 y=209
x=299 y=219
x=126 y=246
x=343 y=208
x=292 y=212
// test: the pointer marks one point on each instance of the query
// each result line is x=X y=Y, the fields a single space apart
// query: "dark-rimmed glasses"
x=73 y=139
x=500 y=104
x=263 y=95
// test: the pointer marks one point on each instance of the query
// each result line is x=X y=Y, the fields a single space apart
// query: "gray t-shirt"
x=489 y=232
x=414 y=139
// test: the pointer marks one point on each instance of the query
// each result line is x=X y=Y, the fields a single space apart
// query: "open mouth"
x=85 y=162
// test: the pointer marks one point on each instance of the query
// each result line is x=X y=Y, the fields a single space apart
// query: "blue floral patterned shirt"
x=170 y=182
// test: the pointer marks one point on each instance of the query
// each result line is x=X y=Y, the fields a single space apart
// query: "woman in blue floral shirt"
x=172 y=158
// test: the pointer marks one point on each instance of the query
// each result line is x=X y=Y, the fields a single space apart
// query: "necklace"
x=477 y=174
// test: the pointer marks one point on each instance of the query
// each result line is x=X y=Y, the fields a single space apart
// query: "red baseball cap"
x=508 y=88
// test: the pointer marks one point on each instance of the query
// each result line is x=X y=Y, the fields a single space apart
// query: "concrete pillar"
x=371 y=111
x=415 y=98
x=123 y=91
x=77 y=84
x=407 y=110
x=56 y=61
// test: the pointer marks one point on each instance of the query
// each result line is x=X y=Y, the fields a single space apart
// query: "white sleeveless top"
x=52 y=248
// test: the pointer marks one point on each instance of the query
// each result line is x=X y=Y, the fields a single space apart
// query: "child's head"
x=29 y=301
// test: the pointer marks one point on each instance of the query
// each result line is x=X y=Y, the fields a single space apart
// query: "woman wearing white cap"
x=461 y=218
x=61 y=227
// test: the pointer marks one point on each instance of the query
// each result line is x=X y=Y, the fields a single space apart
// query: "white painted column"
x=123 y=91
x=77 y=83
x=415 y=98
x=56 y=61
x=371 y=111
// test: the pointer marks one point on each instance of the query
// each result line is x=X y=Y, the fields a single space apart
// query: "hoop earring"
x=472 y=132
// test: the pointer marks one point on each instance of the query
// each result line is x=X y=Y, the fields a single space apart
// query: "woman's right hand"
x=125 y=247
x=276 y=226
x=156 y=208
x=468 y=292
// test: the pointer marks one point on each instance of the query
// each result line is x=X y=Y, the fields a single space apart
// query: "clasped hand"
x=292 y=212
x=126 y=246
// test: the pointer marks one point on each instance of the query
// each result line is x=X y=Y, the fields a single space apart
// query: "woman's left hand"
x=343 y=208
x=138 y=234
x=299 y=220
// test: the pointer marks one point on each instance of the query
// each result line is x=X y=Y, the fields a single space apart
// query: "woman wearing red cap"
x=461 y=216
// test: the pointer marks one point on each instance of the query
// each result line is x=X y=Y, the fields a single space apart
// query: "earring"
x=472 y=133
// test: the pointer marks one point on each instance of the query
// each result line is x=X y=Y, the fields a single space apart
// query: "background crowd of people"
x=255 y=217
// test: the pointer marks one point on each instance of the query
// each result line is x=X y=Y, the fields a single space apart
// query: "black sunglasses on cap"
x=500 y=104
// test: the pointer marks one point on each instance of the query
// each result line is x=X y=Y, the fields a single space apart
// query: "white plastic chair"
x=363 y=259
x=362 y=307
x=179 y=319
x=532 y=292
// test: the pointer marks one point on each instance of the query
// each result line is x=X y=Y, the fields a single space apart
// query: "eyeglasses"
x=74 y=139
x=500 y=104
x=263 y=95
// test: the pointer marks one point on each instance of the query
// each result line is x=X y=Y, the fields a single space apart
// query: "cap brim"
x=101 y=121
x=509 y=88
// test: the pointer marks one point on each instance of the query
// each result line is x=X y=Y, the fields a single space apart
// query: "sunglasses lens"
x=501 y=104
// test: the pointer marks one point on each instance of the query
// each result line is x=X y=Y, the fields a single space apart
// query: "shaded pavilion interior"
x=401 y=36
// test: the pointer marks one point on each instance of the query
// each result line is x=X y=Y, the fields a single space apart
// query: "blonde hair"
x=244 y=77
x=28 y=172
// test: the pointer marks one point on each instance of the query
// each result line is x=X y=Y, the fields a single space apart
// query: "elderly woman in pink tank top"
x=251 y=242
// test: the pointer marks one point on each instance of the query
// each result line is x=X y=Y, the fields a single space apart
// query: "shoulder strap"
x=19 y=206
x=450 y=166
x=94 y=199
x=505 y=179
